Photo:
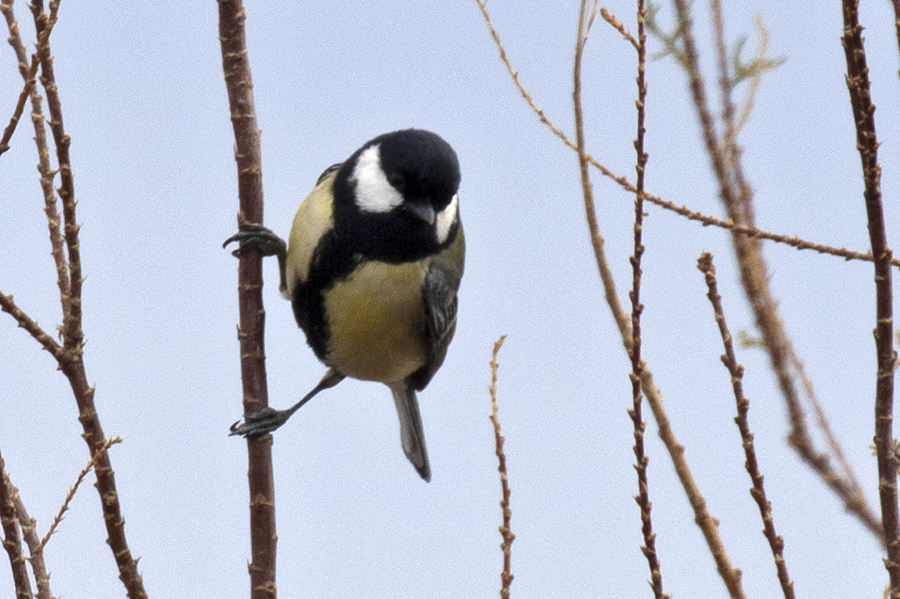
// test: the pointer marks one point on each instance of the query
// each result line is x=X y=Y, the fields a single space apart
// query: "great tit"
x=372 y=268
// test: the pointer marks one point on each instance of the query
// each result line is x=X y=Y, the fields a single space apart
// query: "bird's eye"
x=397 y=180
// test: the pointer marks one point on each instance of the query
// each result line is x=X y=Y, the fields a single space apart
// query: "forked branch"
x=704 y=219
x=707 y=523
x=65 y=245
x=12 y=538
x=737 y=198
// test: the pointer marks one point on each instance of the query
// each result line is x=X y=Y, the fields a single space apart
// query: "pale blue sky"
x=145 y=103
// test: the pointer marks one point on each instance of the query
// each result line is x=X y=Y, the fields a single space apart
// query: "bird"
x=372 y=267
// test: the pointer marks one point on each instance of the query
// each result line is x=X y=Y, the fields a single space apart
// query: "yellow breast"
x=377 y=322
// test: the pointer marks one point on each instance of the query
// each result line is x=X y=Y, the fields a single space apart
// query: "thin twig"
x=854 y=494
x=637 y=363
x=737 y=197
x=74 y=489
x=737 y=124
x=34 y=329
x=706 y=220
x=239 y=84
x=514 y=75
x=707 y=523
x=845 y=486
x=749 y=231
x=36 y=557
x=597 y=241
x=758 y=491
x=896 y=4
x=867 y=145
x=12 y=540
x=29 y=75
x=620 y=27
x=506 y=577
x=73 y=334
x=46 y=171
x=69 y=279
x=106 y=481
x=20 y=107
x=729 y=142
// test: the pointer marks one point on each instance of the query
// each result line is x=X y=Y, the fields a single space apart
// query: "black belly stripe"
x=332 y=261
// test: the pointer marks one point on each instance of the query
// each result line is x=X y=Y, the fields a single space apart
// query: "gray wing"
x=439 y=298
x=328 y=171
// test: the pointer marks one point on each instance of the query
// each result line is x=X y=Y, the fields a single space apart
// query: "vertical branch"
x=729 y=141
x=758 y=491
x=69 y=280
x=12 y=540
x=36 y=550
x=896 y=4
x=737 y=197
x=40 y=138
x=597 y=241
x=106 y=480
x=506 y=577
x=704 y=519
x=72 y=309
x=867 y=144
x=239 y=83
x=637 y=363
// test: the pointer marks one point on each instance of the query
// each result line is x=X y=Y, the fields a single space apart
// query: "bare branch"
x=637 y=363
x=239 y=83
x=31 y=73
x=40 y=138
x=706 y=220
x=29 y=535
x=66 y=254
x=758 y=491
x=74 y=489
x=867 y=144
x=620 y=27
x=106 y=480
x=12 y=540
x=597 y=241
x=750 y=231
x=20 y=107
x=506 y=577
x=896 y=4
x=737 y=197
x=707 y=523
x=853 y=494
x=34 y=329
x=752 y=71
x=73 y=334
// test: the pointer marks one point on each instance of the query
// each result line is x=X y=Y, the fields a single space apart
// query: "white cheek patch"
x=373 y=192
x=445 y=220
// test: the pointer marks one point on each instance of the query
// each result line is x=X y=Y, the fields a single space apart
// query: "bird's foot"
x=255 y=237
x=257 y=424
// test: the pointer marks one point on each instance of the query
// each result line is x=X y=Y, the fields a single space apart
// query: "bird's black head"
x=395 y=198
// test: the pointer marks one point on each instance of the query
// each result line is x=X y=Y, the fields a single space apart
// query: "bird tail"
x=412 y=435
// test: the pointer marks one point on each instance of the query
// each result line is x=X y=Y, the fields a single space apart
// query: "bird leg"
x=255 y=237
x=257 y=424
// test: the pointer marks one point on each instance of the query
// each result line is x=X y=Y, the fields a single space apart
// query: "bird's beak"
x=421 y=209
